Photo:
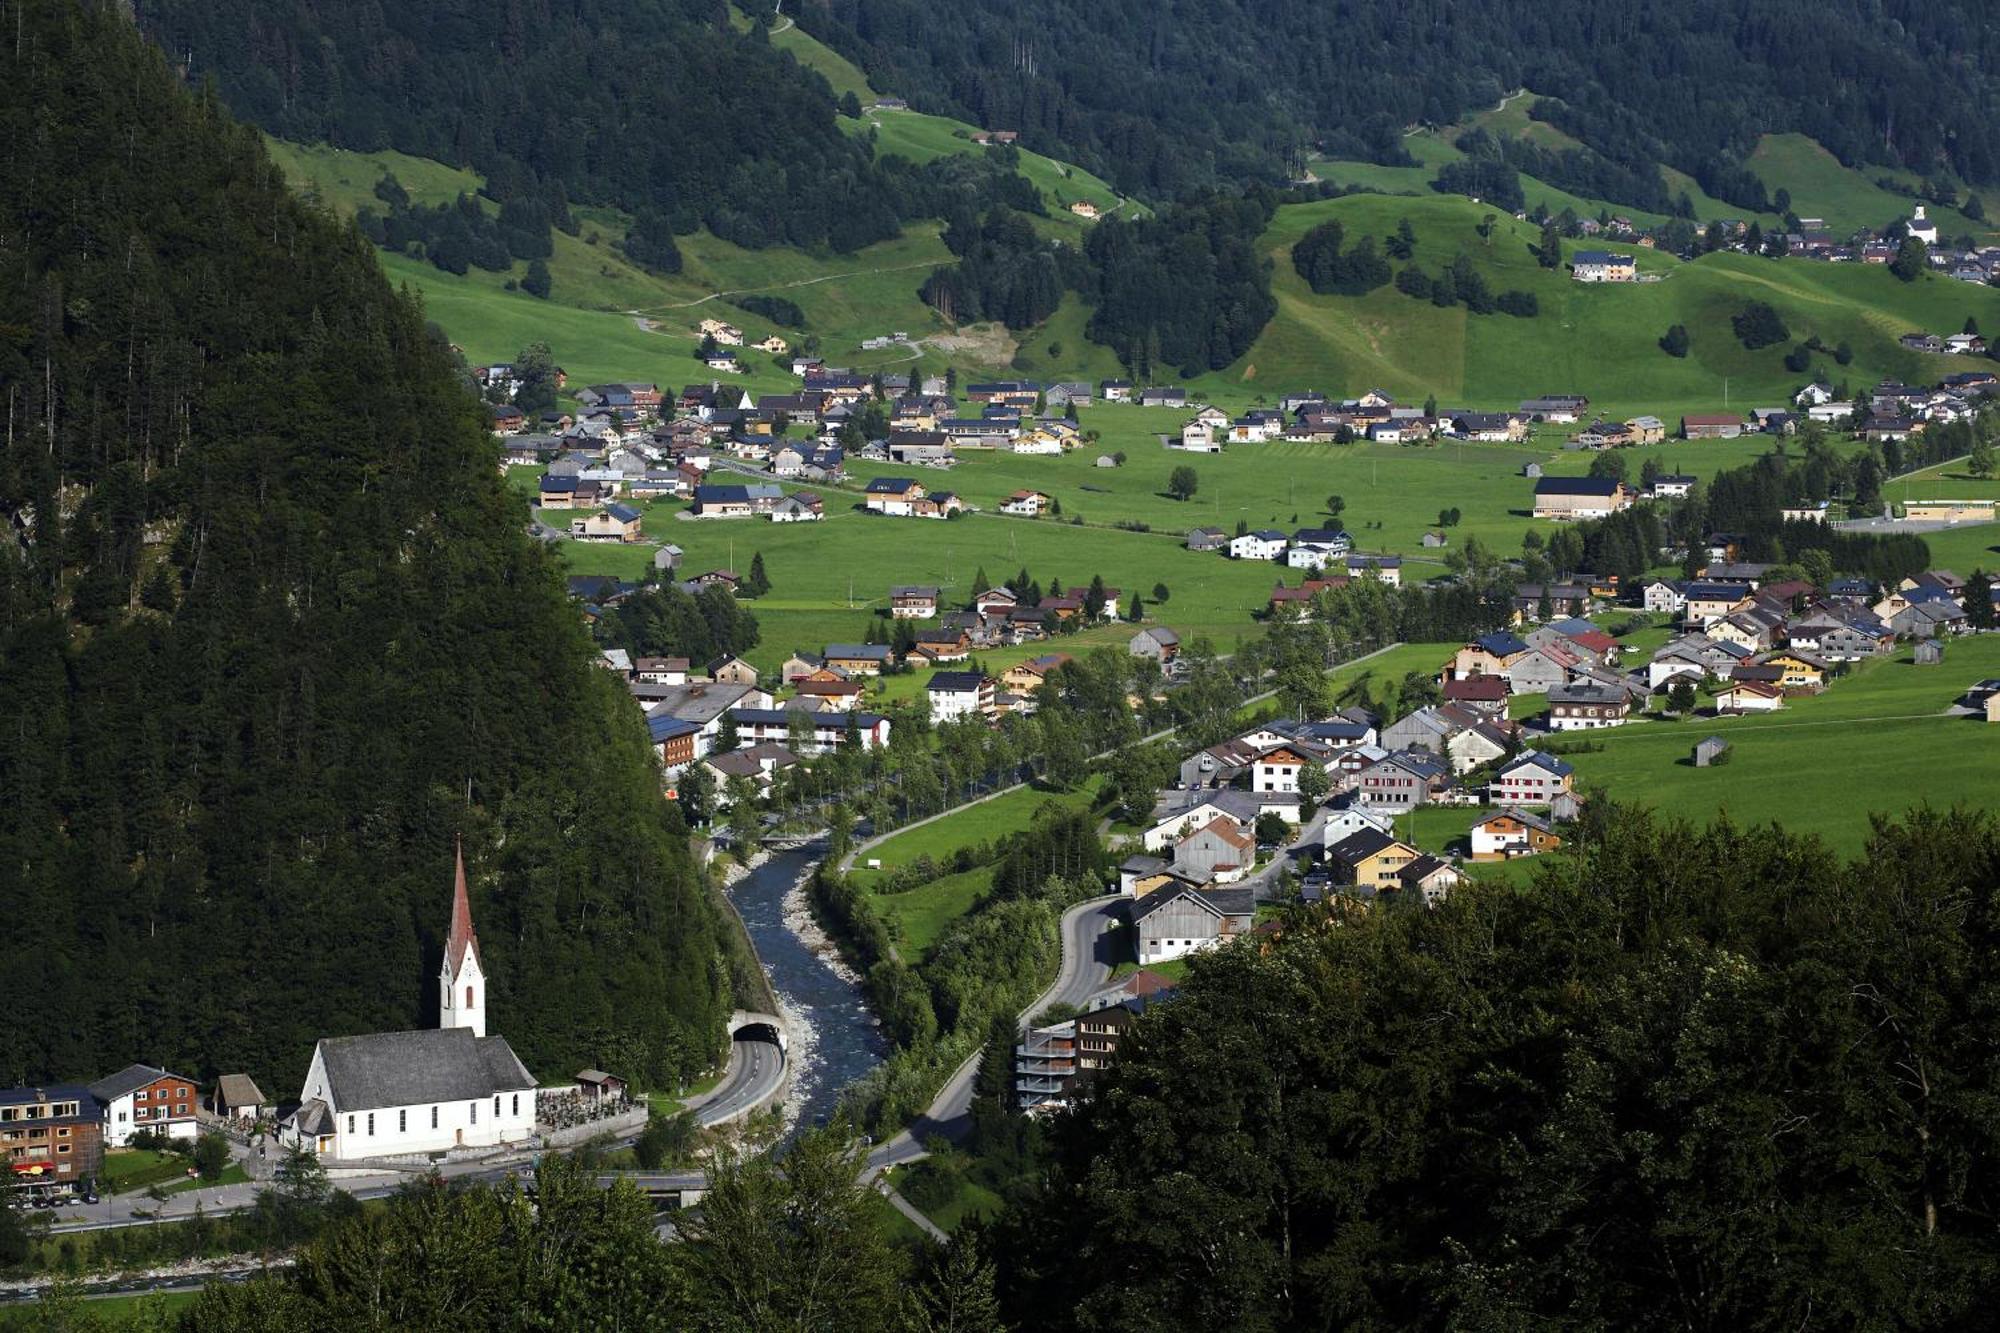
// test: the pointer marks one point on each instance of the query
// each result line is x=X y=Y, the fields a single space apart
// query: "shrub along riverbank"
x=982 y=969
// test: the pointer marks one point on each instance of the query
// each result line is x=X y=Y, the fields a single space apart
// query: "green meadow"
x=1597 y=339
x=1877 y=741
x=972 y=824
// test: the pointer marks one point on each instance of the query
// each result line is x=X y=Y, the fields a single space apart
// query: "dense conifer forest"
x=1164 y=98
x=1708 y=1079
x=271 y=635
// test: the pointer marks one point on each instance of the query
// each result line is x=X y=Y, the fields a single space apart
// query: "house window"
x=402 y=1121
x=139 y=1096
x=516 y=1108
x=62 y=1149
x=181 y=1109
x=475 y=1113
x=350 y=1124
x=371 y=1124
x=63 y=1133
x=434 y=1117
x=468 y=997
x=496 y=1106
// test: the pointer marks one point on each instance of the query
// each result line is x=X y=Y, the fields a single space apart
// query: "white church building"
x=428 y=1091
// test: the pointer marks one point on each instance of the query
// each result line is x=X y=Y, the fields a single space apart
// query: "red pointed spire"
x=462 y=938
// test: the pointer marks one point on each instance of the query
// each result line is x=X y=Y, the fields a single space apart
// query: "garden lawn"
x=233 y=1174
x=1876 y=741
x=982 y=823
x=128 y=1169
x=1965 y=548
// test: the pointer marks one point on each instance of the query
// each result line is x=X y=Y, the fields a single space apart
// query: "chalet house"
x=1749 y=696
x=1207 y=539
x=1540 y=669
x=826 y=693
x=1296 y=603
x=1800 y=671
x=1559 y=409
x=1000 y=599
x=1531 y=778
x=1162 y=396
x=1029 y=504
x=913 y=602
x=1369 y=861
x=721 y=502
x=1488 y=655
x=1278 y=768
x=943 y=645
x=614 y=523
x=1161 y=644
x=1404 y=780
x=1428 y=879
x=1664 y=596
x=141 y=1097
x=1011 y=393
x=1489 y=427
x=1180 y=921
x=1262 y=544
x=1570 y=498
x=1603 y=266
x=1708 y=600
x=1604 y=435
x=802 y=507
x=1647 y=430
x=1313 y=548
x=1382 y=568
x=1586 y=706
x=1115 y=391
x=858 y=659
x=661 y=670
x=959 y=694
x=1223 y=850
x=1510 y=833
x=1711 y=426
x=1025 y=677
x=898 y=497
x=1481 y=694
x=1219 y=765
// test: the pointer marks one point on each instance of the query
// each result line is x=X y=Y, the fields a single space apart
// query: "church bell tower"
x=461 y=981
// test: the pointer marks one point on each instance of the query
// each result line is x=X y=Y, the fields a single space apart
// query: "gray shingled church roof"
x=409 y=1068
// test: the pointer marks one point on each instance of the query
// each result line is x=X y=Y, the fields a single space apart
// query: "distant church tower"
x=461 y=982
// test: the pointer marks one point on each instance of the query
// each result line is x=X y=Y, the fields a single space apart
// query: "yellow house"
x=1370 y=859
x=1801 y=673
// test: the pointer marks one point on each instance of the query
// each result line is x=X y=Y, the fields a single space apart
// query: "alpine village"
x=687 y=664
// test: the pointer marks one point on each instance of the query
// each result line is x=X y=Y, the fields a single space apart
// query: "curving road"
x=1088 y=946
x=756 y=1069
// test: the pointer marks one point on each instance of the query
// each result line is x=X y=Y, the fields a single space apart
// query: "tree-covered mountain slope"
x=271 y=635
x=1165 y=97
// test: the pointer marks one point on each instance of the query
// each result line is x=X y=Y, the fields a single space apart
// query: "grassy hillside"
x=1848 y=198
x=1598 y=340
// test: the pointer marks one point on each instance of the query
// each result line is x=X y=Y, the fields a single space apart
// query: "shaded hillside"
x=270 y=636
x=1167 y=97
x=657 y=105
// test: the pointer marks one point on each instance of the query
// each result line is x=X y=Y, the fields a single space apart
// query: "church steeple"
x=462 y=981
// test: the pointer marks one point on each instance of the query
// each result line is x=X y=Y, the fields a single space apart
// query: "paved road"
x=756 y=1068
x=1088 y=942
